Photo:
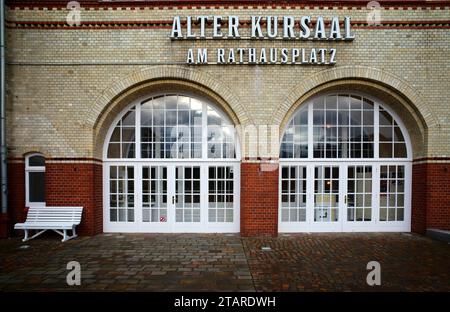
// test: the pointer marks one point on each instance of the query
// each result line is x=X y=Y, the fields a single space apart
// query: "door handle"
x=345 y=199
x=173 y=200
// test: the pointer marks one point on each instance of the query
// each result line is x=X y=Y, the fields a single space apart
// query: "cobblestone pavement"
x=217 y=262
x=129 y=262
x=337 y=262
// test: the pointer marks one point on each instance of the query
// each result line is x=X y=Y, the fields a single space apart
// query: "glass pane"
x=128 y=150
x=385 y=150
x=36 y=187
x=400 y=150
x=146 y=117
x=301 y=118
x=115 y=137
x=171 y=102
x=129 y=118
x=398 y=135
x=355 y=102
x=214 y=118
x=36 y=161
x=326 y=194
x=128 y=134
x=343 y=102
x=318 y=117
x=385 y=118
x=386 y=134
x=114 y=150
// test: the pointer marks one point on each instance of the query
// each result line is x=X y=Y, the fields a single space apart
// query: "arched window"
x=35 y=180
x=171 y=165
x=345 y=166
x=172 y=126
x=343 y=126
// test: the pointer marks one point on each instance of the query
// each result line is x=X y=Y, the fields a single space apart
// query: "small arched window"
x=35 y=180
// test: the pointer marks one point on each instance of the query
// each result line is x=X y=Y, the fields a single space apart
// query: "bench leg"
x=65 y=236
x=26 y=238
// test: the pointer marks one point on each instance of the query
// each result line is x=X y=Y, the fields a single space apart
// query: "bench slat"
x=53 y=216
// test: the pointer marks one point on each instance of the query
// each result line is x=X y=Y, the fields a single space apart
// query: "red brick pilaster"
x=430 y=196
x=419 y=198
x=77 y=184
x=259 y=200
x=438 y=196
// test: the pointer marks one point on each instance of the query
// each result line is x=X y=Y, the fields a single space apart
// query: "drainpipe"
x=3 y=166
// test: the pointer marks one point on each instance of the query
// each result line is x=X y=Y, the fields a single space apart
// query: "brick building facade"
x=69 y=86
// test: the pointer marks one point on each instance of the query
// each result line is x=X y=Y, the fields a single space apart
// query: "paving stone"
x=214 y=262
x=337 y=262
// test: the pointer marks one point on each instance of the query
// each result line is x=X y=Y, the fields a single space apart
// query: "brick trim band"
x=60 y=160
x=167 y=24
x=229 y=4
x=245 y=159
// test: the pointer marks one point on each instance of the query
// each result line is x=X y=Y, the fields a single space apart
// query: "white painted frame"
x=170 y=226
x=342 y=225
x=28 y=170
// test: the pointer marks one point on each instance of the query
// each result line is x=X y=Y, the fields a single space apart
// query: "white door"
x=327 y=198
x=187 y=199
x=312 y=197
x=338 y=196
x=172 y=197
x=360 y=187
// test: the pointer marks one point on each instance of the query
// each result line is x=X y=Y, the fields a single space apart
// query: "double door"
x=171 y=197
x=344 y=197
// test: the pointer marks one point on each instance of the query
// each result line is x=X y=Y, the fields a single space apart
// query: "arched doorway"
x=345 y=165
x=171 y=164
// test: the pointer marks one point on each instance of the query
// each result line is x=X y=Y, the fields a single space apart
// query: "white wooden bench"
x=58 y=219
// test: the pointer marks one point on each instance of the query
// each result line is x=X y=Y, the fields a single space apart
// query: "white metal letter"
x=176 y=28
x=320 y=29
x=305 y=31
x=217 y=24
x=335 y=32
x=233 y=25
x=256 y=27
x=288 y=27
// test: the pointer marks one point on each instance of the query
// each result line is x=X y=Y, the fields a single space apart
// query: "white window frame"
x=308 y=106
x=204 y=226
x=137 y=127
x=375 y=225
x=28 y=170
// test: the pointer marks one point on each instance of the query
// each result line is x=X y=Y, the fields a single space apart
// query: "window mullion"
x=137 y=134
x=204 y=131
x=376 y=128
x=310 y=131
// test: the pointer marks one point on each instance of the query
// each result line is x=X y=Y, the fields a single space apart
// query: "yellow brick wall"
x=60 y=80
